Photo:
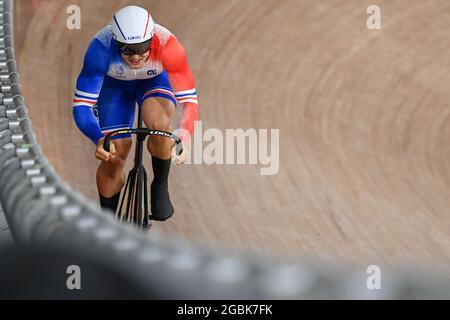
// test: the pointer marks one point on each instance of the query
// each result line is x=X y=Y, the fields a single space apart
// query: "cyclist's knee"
x=155 y=143
x=116 y=164
x=163 y=123
x=123 y=147
x=112 y=167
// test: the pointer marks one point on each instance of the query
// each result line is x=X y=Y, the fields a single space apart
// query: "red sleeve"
x=180 y=75
x=175 y=63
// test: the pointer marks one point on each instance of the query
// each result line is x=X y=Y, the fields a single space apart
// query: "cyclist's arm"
x=183 y=83
x=89 y=84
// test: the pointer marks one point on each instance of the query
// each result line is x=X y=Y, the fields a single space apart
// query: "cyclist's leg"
x=157 y=114
x=157 y=100
x=110 y=175
x=115 y=109
x=158 y=105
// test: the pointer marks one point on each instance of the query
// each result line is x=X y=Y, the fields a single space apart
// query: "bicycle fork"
x=136 y=191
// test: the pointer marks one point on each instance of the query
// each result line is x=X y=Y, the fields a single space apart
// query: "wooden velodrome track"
x=364 y=121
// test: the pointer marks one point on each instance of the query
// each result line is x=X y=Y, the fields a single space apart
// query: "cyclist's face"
x=136 y=61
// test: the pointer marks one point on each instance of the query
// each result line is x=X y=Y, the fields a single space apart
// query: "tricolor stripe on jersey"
x=187 y=96
x=160 y=92
x=85 y=99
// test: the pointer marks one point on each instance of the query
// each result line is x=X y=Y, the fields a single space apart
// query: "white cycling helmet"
x=132 y=28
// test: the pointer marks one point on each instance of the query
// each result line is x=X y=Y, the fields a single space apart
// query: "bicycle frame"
x=135 y=189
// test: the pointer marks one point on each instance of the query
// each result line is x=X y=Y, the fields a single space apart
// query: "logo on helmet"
x=134 y=37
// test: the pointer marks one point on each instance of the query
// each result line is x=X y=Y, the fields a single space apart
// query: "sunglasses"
x=133 y=49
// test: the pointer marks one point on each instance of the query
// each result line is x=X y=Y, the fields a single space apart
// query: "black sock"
x=161 y=169
x=110 y=203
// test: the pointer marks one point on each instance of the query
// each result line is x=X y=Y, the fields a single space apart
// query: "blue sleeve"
x=89 y=84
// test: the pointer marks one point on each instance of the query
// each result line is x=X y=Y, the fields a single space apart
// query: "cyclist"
x=135 y=60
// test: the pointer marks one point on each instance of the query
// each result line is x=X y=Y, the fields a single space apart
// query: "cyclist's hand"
x=102 y=154
x=179 y=159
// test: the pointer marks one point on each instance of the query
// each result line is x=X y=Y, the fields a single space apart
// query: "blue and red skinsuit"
x=107 y=88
